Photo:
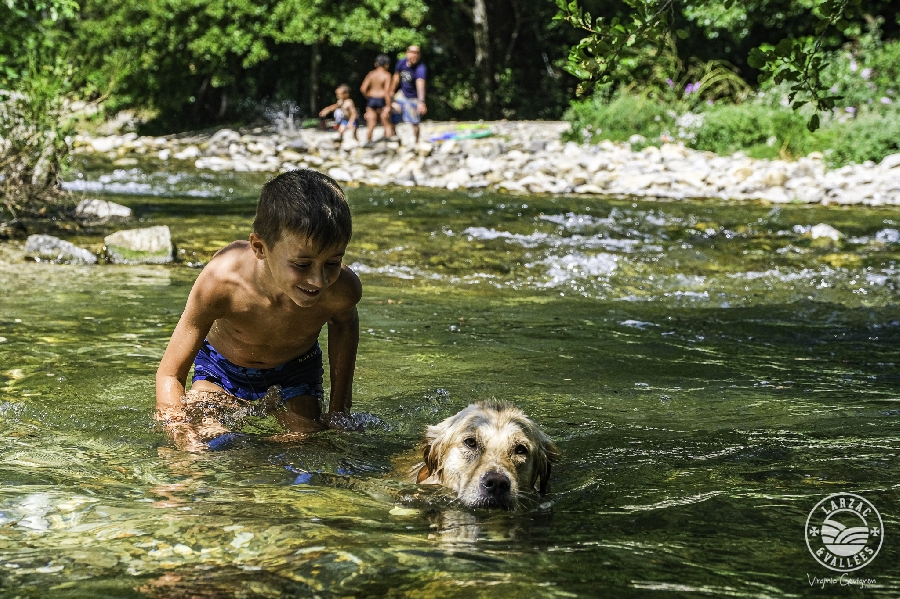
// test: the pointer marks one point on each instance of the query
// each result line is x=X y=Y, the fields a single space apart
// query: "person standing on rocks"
x=409 y=75
x=376 y=87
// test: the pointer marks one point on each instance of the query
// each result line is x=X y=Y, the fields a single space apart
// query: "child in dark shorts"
x=253 y=317
x=376 y=88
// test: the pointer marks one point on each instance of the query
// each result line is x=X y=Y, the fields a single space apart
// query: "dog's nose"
x=495 y=484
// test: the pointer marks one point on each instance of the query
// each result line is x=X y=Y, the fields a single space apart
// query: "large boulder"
x=46 y=248
x=152 y=245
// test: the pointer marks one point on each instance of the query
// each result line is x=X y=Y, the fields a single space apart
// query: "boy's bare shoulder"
x=347 y=290
x=231 y=266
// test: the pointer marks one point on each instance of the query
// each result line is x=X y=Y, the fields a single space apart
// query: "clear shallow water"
x=708 y=371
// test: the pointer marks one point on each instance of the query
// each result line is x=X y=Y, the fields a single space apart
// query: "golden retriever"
x=489 y=454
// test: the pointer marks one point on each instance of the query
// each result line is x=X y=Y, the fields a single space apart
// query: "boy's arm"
x=343 y=341
x=328 y=109
x=395 y=81
x=351 y=112
x=364 y=87
x=171 y=376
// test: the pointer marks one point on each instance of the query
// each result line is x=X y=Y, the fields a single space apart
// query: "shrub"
x=625 y=115
x=870 y=136
x=760 y=131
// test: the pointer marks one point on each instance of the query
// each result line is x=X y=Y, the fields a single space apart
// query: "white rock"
x=891 y=161
x=189 y=153
x=102 y=210
x=824 y=230
x=105 y=144
x=151 y=245
x=54 y=249
x=478 y=166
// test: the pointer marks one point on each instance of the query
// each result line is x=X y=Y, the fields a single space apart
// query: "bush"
x=869 y=136
x=760 y=131
x=625 y=115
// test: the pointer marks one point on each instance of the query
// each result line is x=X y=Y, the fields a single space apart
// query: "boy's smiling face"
x=299 y=268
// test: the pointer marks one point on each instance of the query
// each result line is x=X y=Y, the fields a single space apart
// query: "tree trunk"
x=314 y=65
x=483 y=63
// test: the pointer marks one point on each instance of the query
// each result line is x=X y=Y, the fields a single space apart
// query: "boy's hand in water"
x=341 y=421
x=183 y=433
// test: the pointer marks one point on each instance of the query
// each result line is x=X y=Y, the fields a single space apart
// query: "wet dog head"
x=489 y=454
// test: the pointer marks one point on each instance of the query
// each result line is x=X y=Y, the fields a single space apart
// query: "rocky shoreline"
x=515 y=157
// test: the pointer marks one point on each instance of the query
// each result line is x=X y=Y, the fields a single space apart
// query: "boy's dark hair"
x=383 y=60
x=304 y=202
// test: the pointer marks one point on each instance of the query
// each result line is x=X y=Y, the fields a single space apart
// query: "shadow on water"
x=709 y=371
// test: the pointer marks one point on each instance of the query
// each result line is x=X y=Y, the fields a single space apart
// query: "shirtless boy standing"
x=253 y=317
x=376 y=87
x=344 y=111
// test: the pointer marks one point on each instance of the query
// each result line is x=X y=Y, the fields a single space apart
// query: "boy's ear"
x=259 y=248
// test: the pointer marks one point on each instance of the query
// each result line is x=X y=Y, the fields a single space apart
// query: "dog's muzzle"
x=495 y=488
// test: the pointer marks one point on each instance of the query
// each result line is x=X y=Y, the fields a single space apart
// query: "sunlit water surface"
x=709 y=372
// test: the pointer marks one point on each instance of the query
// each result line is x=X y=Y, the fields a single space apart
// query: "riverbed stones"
x=47 y=248
x=524 y=157
x=150 y=245
x=102 y=210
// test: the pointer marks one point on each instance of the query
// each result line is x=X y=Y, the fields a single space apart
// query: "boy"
x=409 y=76
x=344 y=111
x=376 y=88
x=253 y=317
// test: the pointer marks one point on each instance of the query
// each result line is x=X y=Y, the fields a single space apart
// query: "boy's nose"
x=318 y=278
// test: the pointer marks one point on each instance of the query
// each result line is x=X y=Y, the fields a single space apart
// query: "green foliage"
x=790 y=38
x=869 y=136
x=759 y=131
x=866 y=73
x=34 y=84
x=625 y=115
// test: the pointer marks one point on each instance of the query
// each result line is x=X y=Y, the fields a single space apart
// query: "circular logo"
x=844 y=532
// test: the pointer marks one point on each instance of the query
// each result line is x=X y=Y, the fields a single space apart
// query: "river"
x=709 y=371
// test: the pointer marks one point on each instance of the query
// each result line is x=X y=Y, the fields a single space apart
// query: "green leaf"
x=813 y=123
x=682 y=33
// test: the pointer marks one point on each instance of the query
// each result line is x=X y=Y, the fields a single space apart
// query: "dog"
x=489 y=454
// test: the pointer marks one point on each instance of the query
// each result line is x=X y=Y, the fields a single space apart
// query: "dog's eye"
x=521 y=450
x=471 y=443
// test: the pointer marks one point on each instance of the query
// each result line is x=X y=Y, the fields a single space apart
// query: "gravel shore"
x=517 y=157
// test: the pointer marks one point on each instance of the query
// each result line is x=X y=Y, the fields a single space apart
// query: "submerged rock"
x=53 y=249
x=152 y=245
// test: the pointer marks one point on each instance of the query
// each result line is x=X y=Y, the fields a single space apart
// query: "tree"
x=317 y=23
x=34 y=74
x=791 y=37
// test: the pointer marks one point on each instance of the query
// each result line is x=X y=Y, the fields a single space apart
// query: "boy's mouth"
x=310 y=292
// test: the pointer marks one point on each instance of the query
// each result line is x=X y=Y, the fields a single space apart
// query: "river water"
x=709 y=371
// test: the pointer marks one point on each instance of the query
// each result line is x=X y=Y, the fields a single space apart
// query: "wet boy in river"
x=253 y=317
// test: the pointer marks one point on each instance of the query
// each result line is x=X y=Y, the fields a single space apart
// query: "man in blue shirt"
x=409 y=75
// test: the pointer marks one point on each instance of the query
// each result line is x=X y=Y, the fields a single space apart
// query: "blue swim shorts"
x=300 y=376
x=409 y=107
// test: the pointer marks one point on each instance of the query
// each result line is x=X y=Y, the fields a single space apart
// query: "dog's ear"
x=547 y=455
x=433 y=452
x=424 y=471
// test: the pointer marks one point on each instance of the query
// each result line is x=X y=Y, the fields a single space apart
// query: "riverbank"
x=515 y=157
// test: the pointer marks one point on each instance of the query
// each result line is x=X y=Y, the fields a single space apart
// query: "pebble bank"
x=517 y=157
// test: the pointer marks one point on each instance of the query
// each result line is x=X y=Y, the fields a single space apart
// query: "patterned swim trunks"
x=300 y=376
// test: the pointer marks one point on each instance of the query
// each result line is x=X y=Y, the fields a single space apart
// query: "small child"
x=344 y=111
x=254 y=315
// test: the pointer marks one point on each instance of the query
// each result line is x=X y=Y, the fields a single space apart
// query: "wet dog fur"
x=489 y=454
